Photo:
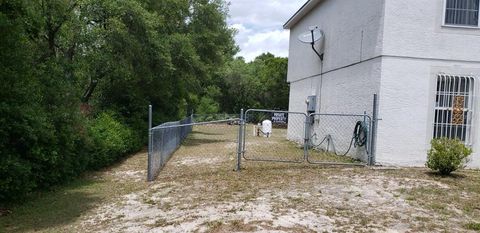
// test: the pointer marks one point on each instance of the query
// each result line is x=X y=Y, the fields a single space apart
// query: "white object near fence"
x=264 y=129
x=267 y=128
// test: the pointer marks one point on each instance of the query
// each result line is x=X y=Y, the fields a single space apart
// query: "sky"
x=260 y=25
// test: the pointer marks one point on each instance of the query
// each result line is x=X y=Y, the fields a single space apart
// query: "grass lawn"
x=198 y=191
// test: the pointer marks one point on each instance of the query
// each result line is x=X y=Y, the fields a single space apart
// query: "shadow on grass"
x=435 y=174
x=52 y=209
x=205 y=133
x=317 y=156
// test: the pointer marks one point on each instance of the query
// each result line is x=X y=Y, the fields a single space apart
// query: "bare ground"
x=198 y=191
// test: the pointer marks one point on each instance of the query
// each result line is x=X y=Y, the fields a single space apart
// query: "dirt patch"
x=198 y=191
x=195 y=161
x=345 y=202
x=130 y=175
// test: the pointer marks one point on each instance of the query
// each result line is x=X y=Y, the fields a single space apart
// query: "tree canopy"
x=77 y=76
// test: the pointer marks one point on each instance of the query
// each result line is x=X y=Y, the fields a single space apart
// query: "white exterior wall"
x=347 y=91
x=344 y=91
x=350 y=90
x=406 y=47
x=407 y=100
x=413 y=28
x=353 y=31
x=299 y=91
x=416 y=48
x=351 y=65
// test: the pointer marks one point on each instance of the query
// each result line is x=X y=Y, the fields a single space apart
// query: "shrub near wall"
x=447 y=155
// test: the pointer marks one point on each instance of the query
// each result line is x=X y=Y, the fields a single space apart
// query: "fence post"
x=149 y=166
x=306 y=139
x=372 y=159
x=240 y=143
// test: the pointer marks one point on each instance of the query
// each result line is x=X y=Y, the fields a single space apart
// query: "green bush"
x=447 y=155
x=39 y=146
x=111 y=140
x=48 y=148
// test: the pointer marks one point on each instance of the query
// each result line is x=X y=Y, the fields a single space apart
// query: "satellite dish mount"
x=311 y=37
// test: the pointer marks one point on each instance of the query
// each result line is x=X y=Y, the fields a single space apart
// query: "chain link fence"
x=274 y=136
x=339 y=138
x=329 y=139
x=280 y=136
x=262 y=135
x=164 y=140
x=209 y=146
x=265 y=135
x=200 y=139
x=213 y=117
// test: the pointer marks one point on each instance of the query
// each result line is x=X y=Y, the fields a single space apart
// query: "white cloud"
x=275 y=42
x=259 y=25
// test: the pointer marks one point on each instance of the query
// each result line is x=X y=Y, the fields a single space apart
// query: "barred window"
x=454 y=107
x=462 y=12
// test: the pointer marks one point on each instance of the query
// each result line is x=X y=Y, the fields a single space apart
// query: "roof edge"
x=305 y=9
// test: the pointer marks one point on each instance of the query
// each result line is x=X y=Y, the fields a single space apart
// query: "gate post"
x=306 y=141
x=240 y=141
x=150 y=146
x=373 y=142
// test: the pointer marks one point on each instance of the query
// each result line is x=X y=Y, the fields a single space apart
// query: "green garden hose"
x=359 y=138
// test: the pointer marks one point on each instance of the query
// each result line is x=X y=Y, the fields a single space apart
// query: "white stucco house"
x=422 y=57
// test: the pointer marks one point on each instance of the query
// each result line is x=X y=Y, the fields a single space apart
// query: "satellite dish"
x=312 y=37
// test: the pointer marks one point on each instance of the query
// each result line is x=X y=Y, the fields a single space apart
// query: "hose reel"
x=360 y=134
x=359 y=138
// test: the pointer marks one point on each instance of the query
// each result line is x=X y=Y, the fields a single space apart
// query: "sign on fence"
x=280 y=118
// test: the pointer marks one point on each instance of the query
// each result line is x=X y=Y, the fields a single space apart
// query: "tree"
x=77 y=76
x=258 y=84
x=109 y=58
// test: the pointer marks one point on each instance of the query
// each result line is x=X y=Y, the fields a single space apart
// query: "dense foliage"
x=258 y=84
x=77 y=76
x=447 y=155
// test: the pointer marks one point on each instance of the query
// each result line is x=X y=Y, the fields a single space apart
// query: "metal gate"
x=284 y=142
x=269 y=136
x=294 y=137
x=317 y=138
x=339 y=139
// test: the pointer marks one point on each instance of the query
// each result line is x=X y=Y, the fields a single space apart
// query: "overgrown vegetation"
x=447 y=155
x=110 y=139
x=77 y=75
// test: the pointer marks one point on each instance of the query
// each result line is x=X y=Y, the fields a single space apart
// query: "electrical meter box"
x=311 y=103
